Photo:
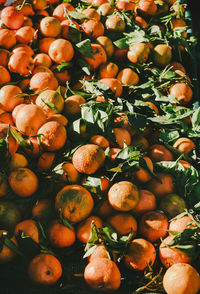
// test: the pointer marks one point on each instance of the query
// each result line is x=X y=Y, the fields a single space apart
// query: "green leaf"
x=75 y=34
x=77 y=15
x=10 y=244
x=51 y=106
x=63 y=66
x=85 y=66
x=19 y=139
x=84 y=47
x=137 y=121
x=92 y=183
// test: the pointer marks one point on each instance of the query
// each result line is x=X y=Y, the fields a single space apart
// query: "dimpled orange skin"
x=88 y=158
x=74 y=202
x=123 y=196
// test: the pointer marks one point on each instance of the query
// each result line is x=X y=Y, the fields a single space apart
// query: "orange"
x=123 y=122
x=42 y=59
x=6 y=254
x=44 y=44
x=35 y=149
x=16 y=110
x=172 y=205
x=83 y=230
x=155 y=108
x=125 y=5
x=26 y=35
x=8 y=99
x=53 y=136
x=43 y=209
x=12 y=143
x=181 y=223
x=7 y=38
x=44 y=269
x=159 y=152
x=100 y=251
x=61 y=50
x=141 y=22
x=59 y=235
x=45 y=161
x=10 y=214
x=59 y=11
x=138 y=53
x=174 y=66
x=147 y=7
x=18 y=160
x=170 y=255
x=62 y=77
x=140 y=254
x=100 y=141
x=92 y=13
x=184 y=145
x=72 y=106
x=39 y=4
x=65 y=28
x=12 y=18
x=50 y=27
x=4 y=57
x=43 y=68
x=114 y=84
x=3 y=185
x=23 y=48
x=146 y=203
x=21 y=63
x=153 y=225
x=50 y=97
x=108 y=70
x=88 y=158
x=142 y=175
x=128 y=77
x=141 y=142
x=182 y=92
x=4 y=75
x=93 y=28
x=74 y=202
x=123 y=223
x=23 y=181
x=115 y=23
x=113 y=153
x=122 y=136
x=105 y=209
x=107 y=45
x=123 y=196
x=181 y=278
x=165 y=187
x=60 y=118
x=29 y=228
x=162 y=55
x=29 y=119
x=99 y=56
x=70 y=174
x=42 y=81
x=105 y=9
x=102 y=273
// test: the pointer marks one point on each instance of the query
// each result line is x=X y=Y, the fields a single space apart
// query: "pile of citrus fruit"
x=99 y=146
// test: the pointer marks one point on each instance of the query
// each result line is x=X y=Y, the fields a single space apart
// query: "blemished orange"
x=50 y=97
x=53 y=136
x=99 y=56
x=74 y=202
x=44 y=269
x=23 y=181
x=8 y=99
x=170 y=255
x=59 y=235
x=43 y=209
x=29 y=228
x=107 y=45
x=142 y=175
x=50 y=27
x=141 y=254
x=123 y=223
x=61 y=50
x=102 y=273
x=83 y=230
x=115 y=23
x=123 y=196
x=153 y=225
x=88 y=158
x=181 y=278
x=147 y=202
